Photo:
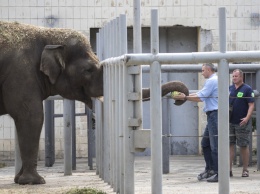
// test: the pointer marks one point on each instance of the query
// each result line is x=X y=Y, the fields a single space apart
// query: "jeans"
x=209 y=142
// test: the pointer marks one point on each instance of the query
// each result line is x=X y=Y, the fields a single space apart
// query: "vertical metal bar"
x=117 y=108
x=114 y=104
x=91 y=138
x=165 y=109
x=137 y=27
x=250 y=142
x=137 y=78
x=73 y=130
x=113 y=134
x=123 y=127
x=97 y=135
x=99 y=120
x=18 y=160
x=156 y=109
x=111 y=106
x=49 y=133
x=129 y=186
x=165 y=140
x=116 y=128
x=67 y=136
x=257 y=105
x=98 y=113
x=106 y=131
x=223 y=112
x=129 y=156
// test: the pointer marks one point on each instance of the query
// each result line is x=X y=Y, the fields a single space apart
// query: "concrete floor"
x=182 y=178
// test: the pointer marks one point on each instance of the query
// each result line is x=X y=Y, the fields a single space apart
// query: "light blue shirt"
x=209 y=93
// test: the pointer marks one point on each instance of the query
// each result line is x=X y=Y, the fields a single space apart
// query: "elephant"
x=38 y=62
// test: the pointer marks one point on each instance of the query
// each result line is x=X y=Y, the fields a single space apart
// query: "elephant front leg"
x=29 y=131
x=16 y=178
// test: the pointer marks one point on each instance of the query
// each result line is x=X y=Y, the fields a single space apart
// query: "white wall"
x=243 y=33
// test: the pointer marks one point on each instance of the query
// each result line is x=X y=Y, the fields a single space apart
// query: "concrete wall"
x=243 y=33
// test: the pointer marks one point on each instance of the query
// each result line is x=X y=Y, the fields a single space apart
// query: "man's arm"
x=251 y=106
x=192 y=97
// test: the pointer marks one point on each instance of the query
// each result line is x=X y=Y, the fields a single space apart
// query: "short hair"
x=240 y=72
x=211 y=66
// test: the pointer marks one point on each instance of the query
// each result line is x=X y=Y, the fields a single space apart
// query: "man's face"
x=237 y=78
x=205 y=71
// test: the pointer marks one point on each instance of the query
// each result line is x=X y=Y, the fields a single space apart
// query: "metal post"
x=91 y=138
x=129 y=156
x=67 y=107
x=137 y=34
x=165 y=140
x=18 y=160
x=257 y=105
x=223 y=112
x=73 y=131
x=123 y=41
x=99 y=119
x=166 y=148
x=137 y=78
x=156 y=109
x=106 y=131
x=49 y=133
x=192 y=58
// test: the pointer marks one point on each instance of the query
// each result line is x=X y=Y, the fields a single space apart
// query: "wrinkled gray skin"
x=36 y=63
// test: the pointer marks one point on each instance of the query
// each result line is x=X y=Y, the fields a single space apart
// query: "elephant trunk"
x=169 y=87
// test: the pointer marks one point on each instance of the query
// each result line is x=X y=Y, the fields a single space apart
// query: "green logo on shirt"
x=240 y=94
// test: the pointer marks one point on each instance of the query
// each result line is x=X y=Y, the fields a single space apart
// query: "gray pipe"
x=192 y=58
x=185 y=68
x=156 y=109
x=223 y=110
x=257 y=106
x=67 y=107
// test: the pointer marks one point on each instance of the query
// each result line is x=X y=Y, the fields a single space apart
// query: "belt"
x=209 y=112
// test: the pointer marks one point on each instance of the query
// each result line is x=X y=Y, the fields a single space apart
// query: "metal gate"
x=119 y=118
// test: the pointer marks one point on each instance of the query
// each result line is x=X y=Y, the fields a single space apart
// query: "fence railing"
x=119 y=121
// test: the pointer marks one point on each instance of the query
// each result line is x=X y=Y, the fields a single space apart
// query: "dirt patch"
x=56 y=182
x=182 y=178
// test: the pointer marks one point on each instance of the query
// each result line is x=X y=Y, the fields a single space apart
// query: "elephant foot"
x=16 y=178
x=31 y=179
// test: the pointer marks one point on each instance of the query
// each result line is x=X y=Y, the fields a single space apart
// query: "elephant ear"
x=52 y=61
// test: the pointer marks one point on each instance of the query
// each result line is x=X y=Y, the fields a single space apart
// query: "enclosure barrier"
x=118 y=131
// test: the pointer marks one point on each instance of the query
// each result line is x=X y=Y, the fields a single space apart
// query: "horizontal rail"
x=192 y=58
x=187 y=58
x=197 y=68
x=56 y=97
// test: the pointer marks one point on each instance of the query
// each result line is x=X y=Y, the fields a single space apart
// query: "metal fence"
x=119 y=131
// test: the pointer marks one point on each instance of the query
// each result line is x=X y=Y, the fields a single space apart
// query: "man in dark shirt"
x=241 y=103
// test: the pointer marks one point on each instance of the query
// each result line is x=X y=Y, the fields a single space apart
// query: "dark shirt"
x=240 y=104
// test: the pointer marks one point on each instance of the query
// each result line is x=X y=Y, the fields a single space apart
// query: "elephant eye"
x=87 y=71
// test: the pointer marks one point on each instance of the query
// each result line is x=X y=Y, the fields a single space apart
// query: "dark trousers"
x=209 y=142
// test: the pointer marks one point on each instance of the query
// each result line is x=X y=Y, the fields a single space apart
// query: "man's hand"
x=179 y=96
x=243 y=121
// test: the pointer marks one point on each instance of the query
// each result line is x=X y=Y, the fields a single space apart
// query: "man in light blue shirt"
x=209 y=95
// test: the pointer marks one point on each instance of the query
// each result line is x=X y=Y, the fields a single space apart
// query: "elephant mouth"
x=92 y=92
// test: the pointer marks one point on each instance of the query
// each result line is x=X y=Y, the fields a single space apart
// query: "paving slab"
x=182 y=178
